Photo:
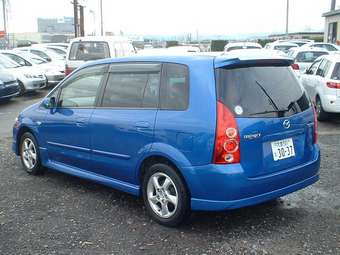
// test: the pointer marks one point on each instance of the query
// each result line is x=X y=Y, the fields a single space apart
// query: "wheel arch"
x=163 y=159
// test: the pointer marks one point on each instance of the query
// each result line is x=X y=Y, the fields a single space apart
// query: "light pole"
x=101 y=18
x=287 y=17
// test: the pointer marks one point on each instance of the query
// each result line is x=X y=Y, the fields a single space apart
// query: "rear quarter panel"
x=187 y=137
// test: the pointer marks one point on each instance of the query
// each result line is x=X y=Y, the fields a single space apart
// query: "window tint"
x=89 y=51
x=82 y=90
x=132 y=86
x=309 y=56
x=175 y=88
x=323 y=68
x=266 y=91
x=313 y=67
x=336 y=72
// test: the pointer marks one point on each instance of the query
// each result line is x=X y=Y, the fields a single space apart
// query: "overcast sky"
x=178 y=16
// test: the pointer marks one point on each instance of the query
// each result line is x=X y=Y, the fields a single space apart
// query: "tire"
x=320 y=112
x=171 y=188
x=29 y=154
x=22 y=89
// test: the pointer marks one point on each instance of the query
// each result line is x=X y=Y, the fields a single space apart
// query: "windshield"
x=33 y=58
x=263 y=91
x=5 y=62
x=89 y=51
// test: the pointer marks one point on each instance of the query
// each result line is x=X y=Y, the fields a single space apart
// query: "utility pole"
x=81 y=18
x=287 y=17
x=4 y=15
x=101 y=18
x=75 y=17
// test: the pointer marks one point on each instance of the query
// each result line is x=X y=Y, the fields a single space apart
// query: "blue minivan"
x=184 y=132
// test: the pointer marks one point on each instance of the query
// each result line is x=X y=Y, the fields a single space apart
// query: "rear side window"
x=132 y=86
x=323 y=68
x=309 y=56
x=89 y=51
x=336 y=72
x=175 y=87
x=263 y=91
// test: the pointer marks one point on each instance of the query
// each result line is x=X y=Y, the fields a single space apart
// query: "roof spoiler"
x=236 y=62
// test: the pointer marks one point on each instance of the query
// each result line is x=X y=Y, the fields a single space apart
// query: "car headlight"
x=29 y=76
x=32 y=76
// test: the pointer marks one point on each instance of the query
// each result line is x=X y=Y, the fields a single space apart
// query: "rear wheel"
x=320 y=112
x=165 y=195
x=29 y=154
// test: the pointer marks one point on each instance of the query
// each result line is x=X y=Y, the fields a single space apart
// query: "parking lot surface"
x=61 y=214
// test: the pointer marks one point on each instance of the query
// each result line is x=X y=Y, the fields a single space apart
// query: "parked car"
x=241 y=45
x=29 y=78
x=185 y=133
x=326 y=46
x=283 y=47
x=9 y=86
x=322 y=82
x=53 y=73
x=304 y=57
x=46 y=54
x=91 y=48
x=59 y=50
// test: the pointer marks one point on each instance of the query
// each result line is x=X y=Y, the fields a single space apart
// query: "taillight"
x=315 y=133
x=295 y=66
x=227 y=141
x=333 y=85
x=67 y=70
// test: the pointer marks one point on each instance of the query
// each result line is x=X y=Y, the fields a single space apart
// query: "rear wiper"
x=270 y=99
x=280 y=112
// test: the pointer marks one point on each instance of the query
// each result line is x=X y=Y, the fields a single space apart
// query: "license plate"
x=283 y=149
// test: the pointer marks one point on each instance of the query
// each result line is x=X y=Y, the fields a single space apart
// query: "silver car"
x=53 y=73
x=29 y=78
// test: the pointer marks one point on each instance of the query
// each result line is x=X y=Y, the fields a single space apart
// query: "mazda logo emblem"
x=286 y=124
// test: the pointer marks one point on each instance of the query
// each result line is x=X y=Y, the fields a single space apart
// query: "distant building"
x=332 y=27
x=63 y=25
x=317 y=36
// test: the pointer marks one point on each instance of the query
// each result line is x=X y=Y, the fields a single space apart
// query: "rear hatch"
x=83 y=51
x=273 y=114
x=335 y=76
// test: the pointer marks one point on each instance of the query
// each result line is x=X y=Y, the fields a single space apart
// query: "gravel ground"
x=60 y=214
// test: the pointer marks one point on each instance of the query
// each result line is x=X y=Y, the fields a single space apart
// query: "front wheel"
x=29 y=154
x=165 y=195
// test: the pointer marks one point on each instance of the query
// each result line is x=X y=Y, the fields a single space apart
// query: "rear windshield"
x=242 y=48
x=262 y=91
x=89 y=51
x=284 y=47
x=309 y=56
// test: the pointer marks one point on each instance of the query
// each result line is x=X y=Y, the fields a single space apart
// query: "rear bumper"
x=220 y=187
x=331 y=103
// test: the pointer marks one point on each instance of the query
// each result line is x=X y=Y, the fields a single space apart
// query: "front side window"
x=132 y=86
x=82 y=90
x=85 y=51
x=175 y=88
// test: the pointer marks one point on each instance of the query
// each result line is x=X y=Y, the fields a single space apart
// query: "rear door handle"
x=142 y=124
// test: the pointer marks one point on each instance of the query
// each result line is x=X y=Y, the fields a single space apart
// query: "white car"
x=90 y=48
x=303 y=57
x=53 y=73
x=241 y=46
x=183 y=49
x=322 y=82
x=29 y=78
x=281 y=47
x=326 y=46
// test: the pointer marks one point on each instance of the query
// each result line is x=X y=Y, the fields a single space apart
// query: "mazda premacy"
x=185 y=133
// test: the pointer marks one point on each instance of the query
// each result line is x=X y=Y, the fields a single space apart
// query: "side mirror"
x=49 y=102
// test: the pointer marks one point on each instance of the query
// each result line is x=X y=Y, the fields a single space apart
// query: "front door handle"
x=142 y=124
